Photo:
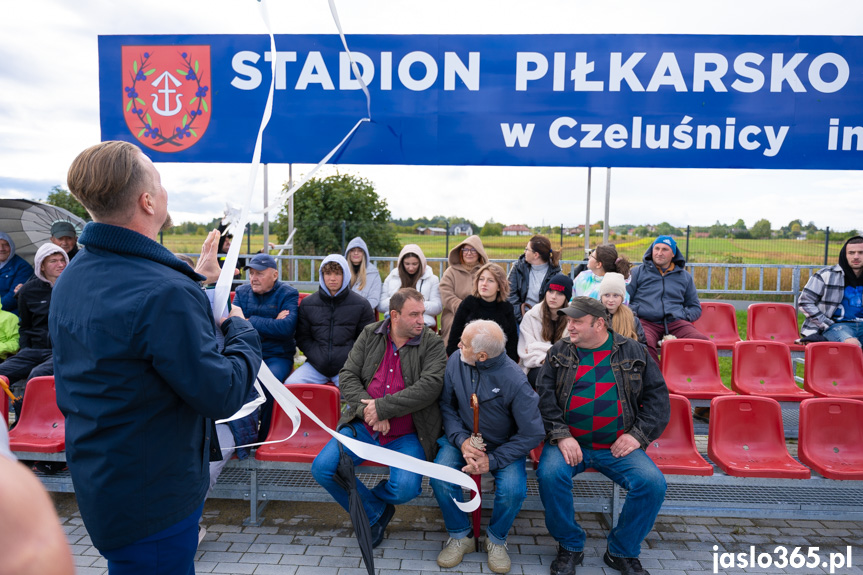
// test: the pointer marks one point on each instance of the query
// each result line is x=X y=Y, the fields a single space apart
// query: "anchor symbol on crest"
x=166 y=90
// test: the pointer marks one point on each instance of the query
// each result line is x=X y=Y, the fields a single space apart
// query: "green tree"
x=718 y=230
x=666 y=229
x=62 y=198
x=491 y=229
x=321 y=206
x=760 y=229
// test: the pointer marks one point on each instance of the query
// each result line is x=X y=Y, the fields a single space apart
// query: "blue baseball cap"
x=261 y=262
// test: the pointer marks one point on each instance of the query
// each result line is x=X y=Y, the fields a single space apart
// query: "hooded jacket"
x=531 y=347
x=372 y=290
x=457 y=282
x=138 y=376
x=34 y=302
x=655 y=297
x=823 y=294
x=509 y=418
x=328 y=325
x=428 y=285
x=14 y=271
x=519 y=282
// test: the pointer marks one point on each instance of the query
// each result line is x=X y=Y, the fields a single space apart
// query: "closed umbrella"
x=28 y=223
x=346 y=479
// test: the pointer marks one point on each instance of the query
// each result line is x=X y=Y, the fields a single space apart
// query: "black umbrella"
x=347 y=480
x=28 y=223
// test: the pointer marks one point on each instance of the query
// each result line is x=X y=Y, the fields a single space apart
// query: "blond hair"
x=499 y=276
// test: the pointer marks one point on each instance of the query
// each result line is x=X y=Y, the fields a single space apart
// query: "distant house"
x=701 y=234
x=576 y=231
x=431 y=231
x=461 y=230
x=516 y=230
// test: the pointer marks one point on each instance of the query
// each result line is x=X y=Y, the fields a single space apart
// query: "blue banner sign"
x=671 y=101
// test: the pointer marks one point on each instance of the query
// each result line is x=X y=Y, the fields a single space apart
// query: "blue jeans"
x=168 y=552
x=635 y=472
x=510 y=491
x=308 y=374
x=842 y=330
x=401 y=487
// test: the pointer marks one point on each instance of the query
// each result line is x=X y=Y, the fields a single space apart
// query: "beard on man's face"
x=167 y=224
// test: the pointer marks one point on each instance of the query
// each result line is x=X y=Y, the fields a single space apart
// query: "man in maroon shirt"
x=391 y=381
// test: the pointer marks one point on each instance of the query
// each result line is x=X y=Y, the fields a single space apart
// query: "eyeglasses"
x=467 y=250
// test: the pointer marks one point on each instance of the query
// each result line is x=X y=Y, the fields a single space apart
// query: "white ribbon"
x=236 y=220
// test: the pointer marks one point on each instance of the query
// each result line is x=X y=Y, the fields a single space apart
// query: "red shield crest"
x=166 y=95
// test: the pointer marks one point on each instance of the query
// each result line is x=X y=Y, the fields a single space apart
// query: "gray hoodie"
x=372 y=290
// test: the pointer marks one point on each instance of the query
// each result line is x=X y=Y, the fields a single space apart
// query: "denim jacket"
x=640 y=386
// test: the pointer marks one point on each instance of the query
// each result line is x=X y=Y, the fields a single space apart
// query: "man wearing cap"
x=270 y=306
x=63 y=234
x=602 y=402
x=662 y=294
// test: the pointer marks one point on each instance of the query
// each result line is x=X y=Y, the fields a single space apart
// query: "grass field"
x=701 y=250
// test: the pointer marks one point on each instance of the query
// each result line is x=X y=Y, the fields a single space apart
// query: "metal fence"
x=763 y=282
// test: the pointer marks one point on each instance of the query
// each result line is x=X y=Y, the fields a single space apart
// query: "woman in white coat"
x=541 y=327
x=412 y=271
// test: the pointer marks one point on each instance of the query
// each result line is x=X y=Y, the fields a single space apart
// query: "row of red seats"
x=765 y=322
x=763 y=368
x=746 y=437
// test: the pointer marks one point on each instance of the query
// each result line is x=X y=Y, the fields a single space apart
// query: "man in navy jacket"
x=137 y=368
x=271 y=307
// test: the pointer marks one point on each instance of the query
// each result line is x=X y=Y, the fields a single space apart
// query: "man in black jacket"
x=603 y=400
x=329 y=323
x=34 y=358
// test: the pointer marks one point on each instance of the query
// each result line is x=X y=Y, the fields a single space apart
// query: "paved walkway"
x=316 y=539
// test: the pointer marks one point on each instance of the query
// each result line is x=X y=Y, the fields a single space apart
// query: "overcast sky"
x=49 y=108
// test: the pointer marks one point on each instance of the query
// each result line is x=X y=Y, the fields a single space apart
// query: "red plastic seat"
x=831 y=437
x=308 y=441
x=718 y=322
x=691 y=369
x=746 y=438
x=302 y=297
x=773 y=322
x=764 y=368
x=42 y=427
x=674 y=452
x=834 y=370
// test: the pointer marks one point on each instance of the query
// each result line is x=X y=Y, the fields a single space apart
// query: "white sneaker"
x=202 y=532
x=455 y=550
x=498 y=558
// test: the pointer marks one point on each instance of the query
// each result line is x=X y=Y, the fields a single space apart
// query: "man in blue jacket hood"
x=662 y=294
x=137 y=367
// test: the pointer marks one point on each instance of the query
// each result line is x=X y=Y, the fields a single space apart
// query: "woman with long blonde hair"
x=623 y=321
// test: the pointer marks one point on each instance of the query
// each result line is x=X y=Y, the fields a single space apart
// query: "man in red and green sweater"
x=603 y=400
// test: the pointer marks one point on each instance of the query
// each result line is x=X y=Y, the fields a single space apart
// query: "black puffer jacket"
x=34 y=299
x=328 y=326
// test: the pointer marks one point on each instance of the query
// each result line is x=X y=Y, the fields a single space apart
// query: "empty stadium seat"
x=302 y=297
x=674 y=452
x=691 y=369
x=773 y=322
x=834 y=370
x=307 y=442
x=831 y=437
x=746 y=439
x=718 y=322
x=764 y=368
x=41 y=427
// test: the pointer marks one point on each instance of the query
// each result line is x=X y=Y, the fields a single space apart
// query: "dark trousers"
x=654 y=332
x=22 y=367
x=168 y=552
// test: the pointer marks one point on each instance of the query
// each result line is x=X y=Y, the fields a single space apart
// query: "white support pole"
x=292 y=267
x=607 y=205
x=266 y=214
x=587 y=217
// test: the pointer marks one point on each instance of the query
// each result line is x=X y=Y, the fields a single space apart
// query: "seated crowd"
x=568 y=365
